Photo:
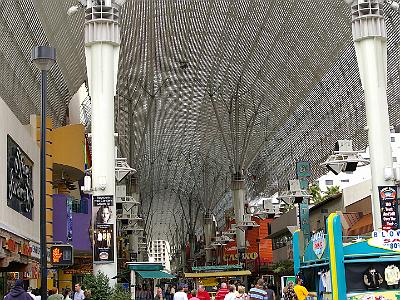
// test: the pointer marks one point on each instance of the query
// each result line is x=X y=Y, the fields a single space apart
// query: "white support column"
x=208 y=236
x=238 y=195
x=133 y=285
x=102 y=48
x=369 y=35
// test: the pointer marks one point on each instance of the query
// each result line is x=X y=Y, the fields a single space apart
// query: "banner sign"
x=389 y=207
x=19 y=180
x=389 y=240
x=303 y=169
x=103 y=243
x=103 y=200
x=69 y=219
x=319 y=243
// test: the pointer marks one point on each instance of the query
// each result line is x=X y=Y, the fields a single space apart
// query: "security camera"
x=73 y=10
x=394 y=5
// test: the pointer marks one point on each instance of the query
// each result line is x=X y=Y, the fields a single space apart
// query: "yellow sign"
x=235 y=257
x=209 y=281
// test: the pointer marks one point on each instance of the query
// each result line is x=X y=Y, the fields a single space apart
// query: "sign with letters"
x=103 y=200
x=389 y=207
x=319 y=243
x=19 y=180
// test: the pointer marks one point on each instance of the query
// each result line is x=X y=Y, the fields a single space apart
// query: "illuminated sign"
x=61 y=255
x=246 y=256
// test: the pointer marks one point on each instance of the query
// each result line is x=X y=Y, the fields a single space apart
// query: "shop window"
x=328 y=182
x=80 y=206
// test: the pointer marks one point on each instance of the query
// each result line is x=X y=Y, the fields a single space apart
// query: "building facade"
x=160 y=251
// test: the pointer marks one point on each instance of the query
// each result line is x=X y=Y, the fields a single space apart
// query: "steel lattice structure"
x=208 y=88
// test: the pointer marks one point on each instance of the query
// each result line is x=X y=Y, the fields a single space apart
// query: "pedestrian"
x=232 y=293
x=241 y=295
x=78 y=295
x=67 y=294
x=55 y=295
x=180 y=294
x=270 y=291
x=202 y=294
x=288 y=292
x=222 y=292
x=87 y=294
x=194 y=295
x=18 y=292
x=301 y=292
x=159 y=294
x=36 y=293
x=257 y=292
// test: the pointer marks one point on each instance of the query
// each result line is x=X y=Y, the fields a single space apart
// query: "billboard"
x=103 y=246
x=19 y=180
x=389 y=207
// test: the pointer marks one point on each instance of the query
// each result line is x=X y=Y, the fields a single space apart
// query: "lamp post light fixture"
x=43 y=58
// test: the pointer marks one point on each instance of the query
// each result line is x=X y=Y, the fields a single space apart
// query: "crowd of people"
x=260 y=291
x=18 y=292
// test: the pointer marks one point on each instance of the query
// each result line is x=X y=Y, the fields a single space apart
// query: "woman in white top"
x=232 y=293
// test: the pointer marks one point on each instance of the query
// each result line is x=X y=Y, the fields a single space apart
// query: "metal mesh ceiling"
x=210 y=87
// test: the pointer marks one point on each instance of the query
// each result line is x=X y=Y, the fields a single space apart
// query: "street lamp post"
x=43 y=58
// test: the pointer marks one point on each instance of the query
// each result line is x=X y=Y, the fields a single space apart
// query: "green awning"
x=155 y=275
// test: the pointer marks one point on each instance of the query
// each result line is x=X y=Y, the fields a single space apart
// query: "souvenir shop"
x=338 y=267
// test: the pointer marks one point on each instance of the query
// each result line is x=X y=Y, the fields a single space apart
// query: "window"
x=392 y=139
x=345 y=180
x=394 y=159
x=328 y=182
x=281 y=241
x=80 y=206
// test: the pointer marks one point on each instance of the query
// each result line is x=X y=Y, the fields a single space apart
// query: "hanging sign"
x=19 y=180
x=103 y=243
x=389 y=207
x=103 y=200
x=319 y=243
x=389 y=240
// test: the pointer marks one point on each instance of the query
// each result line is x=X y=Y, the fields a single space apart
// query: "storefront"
x=17 y=261
x=343 y=267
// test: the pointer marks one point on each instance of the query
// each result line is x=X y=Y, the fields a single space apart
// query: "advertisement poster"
x=103 y=200
x=19 y=180
x=103 y=243
x=389 y=207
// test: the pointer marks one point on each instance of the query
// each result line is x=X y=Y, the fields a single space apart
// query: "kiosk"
x=359 y=267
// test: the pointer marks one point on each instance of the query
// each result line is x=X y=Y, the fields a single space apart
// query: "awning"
x=155 y=275
x=362 y=227
x=218 y=274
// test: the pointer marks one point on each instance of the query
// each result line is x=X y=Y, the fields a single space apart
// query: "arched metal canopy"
x=207 y=89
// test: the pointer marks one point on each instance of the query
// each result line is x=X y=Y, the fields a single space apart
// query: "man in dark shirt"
x=18 y=292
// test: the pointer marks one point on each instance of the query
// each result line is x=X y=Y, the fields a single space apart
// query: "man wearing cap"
x=18 y=292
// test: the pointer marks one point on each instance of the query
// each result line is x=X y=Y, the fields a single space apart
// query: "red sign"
x=11 y=245
x=258 y=247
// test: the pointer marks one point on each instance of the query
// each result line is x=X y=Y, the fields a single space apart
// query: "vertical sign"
x=103 y=234
x=69 y=219
x=303 y=172
x=389 y=207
